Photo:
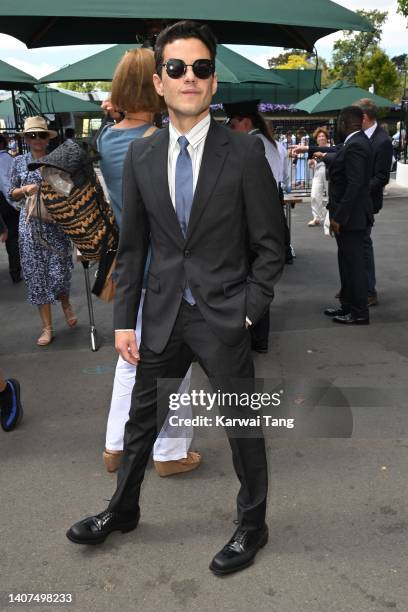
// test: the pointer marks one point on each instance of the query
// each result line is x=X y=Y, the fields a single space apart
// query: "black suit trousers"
x=353 y=273
x=191 y=336
x=11 y=219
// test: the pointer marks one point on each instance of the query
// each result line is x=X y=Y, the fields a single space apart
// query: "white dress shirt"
x=196 y=138
x=370 y=131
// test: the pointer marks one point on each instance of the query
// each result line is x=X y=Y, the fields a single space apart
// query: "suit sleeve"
x=3 y=226
x=265 y=230
x=382 y=166
x=132 y=250
x=355 y=160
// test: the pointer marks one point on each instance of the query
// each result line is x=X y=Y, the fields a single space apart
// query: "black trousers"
x=260 y=331
x=11 y=218
x=353 y=273
x=191 y=336
x=370 y=262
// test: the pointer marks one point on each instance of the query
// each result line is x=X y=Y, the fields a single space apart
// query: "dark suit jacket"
x=236 y=202
x=3 y=226
x=382 y=148
x=350 y=173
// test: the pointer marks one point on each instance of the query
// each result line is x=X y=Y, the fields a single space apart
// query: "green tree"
x=86 y=86
x=103 y=85
x=296 y=62
x=349 y=51
x=377 y=69
x=79 y=86
x=403 y=7
x=278 y=60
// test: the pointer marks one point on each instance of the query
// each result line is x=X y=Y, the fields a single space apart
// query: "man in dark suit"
x=350 y=211
x=199 y=193
x=10 y=215
x=382 y=149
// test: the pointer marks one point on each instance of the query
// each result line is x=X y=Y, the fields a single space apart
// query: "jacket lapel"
x=155 y=160
x=215 y=152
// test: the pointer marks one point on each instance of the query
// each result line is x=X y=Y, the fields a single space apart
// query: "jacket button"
x=187 y=253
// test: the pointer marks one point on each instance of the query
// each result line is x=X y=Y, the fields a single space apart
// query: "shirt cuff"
x=124 y=330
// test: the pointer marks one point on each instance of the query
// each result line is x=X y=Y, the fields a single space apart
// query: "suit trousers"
x=11 y=219
x=166 y=447
x=352 y=269
x=370 y=263
x=191 y=336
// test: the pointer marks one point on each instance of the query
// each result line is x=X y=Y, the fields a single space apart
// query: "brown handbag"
x=108 y=290
x=36 y=208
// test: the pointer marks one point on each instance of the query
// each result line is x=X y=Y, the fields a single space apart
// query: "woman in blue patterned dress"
x=45 y=250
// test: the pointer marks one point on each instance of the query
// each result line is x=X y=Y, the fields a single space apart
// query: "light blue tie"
x=184 y=196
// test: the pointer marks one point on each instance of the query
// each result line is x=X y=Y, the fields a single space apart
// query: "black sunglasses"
x=34 y=135
x=202 y=68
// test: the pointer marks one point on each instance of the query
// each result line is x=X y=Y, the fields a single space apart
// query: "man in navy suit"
x=382 y=149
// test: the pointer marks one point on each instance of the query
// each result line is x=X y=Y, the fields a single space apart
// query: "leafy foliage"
x=403 y=7
x=377 y=69
x=86 y=86
x=349 y=51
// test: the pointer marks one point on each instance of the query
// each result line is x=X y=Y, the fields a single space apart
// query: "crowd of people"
x=203 y=242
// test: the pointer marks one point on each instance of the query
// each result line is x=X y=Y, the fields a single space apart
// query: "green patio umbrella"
x=231 y=68
x=293 y=23
x=337 y=96
x=11 y=78
x=46 y=100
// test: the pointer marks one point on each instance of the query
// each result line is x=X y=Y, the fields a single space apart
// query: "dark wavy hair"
x=184 y=29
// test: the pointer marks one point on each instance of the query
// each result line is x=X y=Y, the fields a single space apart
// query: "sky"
x=40 y=62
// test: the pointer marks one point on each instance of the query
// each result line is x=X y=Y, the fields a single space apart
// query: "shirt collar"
x=350 y=135
x=370 y=131
x=194 y=136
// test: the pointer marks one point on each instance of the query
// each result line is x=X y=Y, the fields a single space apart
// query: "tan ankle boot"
x=179 y=466
x=112 y=459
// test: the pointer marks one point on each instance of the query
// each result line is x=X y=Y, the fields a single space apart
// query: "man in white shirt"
x=197 y=193
x=382 y=162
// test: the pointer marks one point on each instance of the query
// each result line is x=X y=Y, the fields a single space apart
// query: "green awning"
x=337 y=96
x=293 y=23
x=231 y=68
x=46 y=101
x=12 y=78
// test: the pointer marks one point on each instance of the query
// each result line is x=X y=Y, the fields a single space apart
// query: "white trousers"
x=166 y=447
x=319 y=188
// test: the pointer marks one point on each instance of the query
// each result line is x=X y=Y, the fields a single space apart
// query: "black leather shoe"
x=334 y=312
x=349 y=319
x=95 y=529
x=259 y=348
x=240 y=551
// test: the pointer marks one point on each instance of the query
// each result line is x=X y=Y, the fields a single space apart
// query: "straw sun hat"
x=37 y=124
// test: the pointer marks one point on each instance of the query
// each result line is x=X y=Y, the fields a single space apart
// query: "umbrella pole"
x=16 y=121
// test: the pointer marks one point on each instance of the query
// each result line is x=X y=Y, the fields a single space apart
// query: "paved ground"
x=337 y=508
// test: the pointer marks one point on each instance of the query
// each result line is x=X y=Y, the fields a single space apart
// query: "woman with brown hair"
x=134 y=95
x=45 y=250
